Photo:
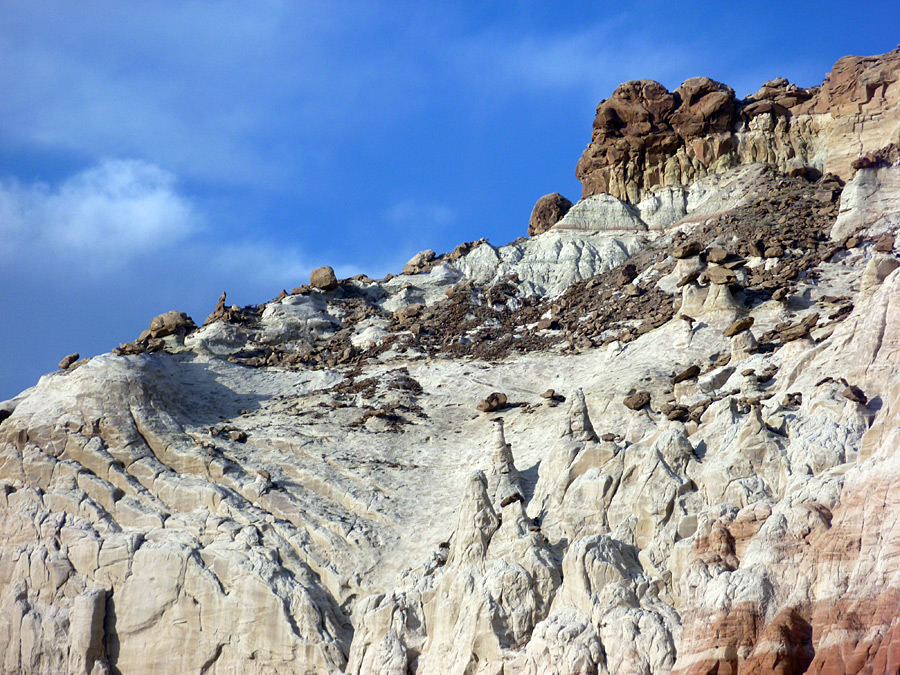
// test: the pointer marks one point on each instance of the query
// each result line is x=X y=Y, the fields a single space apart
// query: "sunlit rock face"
x=660 y=436
x=645 y=137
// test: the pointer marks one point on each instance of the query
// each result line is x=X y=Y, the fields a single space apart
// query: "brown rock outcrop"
x=420 y=262
x=223 y=313
x=646 y=136
x=547 y=211
x=643 y=126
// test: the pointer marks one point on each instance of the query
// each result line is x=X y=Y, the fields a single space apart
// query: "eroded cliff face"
x=645 y=136
x=659 y=437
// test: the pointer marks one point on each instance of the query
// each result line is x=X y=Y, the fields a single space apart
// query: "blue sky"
x=153 y=154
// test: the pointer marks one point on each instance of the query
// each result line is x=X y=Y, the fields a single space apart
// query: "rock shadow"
x=197 y=392
x=529 y=481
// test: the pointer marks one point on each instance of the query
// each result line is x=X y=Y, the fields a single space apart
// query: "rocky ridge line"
x=646 y=137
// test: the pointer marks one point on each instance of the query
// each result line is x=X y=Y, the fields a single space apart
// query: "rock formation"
x=323 y=278
x=548 y=211
x=306 y=486
x=646 y=137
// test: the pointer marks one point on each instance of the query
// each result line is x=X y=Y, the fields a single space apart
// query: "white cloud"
x=118 y=216
x=235 y=93
x=100 y=218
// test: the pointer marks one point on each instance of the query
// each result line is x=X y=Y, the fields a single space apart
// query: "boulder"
x=404 y=314
x=855 y=394
x=687 y=374
x=720 y=276
x=547 y=324
x=420 y=262
x=755 y=249
x=738 y=326
x=686 y=250
x=799 y=330
x=627 y=274
x=675 y=412
x=885 y=243
x=494 y=401
x=637 y=400
x=716 y=255
x=547 y=211
x=67 y=362
x=171 y=323
x=688 y=278
x=780 y=294
x=323 y=278
x=796 y=168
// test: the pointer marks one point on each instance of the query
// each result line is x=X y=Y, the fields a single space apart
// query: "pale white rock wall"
x=602 y=212
x=663 y=207
x=870 y=204
x=297 y=317
x=549 y=263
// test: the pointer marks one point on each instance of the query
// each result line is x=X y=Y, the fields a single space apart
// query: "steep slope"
x=660 y=436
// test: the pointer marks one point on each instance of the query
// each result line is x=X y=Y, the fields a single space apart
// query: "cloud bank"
x=102 y=217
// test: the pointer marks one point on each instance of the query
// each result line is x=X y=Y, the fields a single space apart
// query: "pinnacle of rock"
x=509 y=488
x=580 y=427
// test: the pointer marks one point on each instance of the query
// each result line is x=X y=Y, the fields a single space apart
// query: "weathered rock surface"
x=67 y=361
x=870 y=204
x=304 y=486
x=323 y=278
x=420 y=262
x=170 y=323
x=645 y=137
x=547 y=211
